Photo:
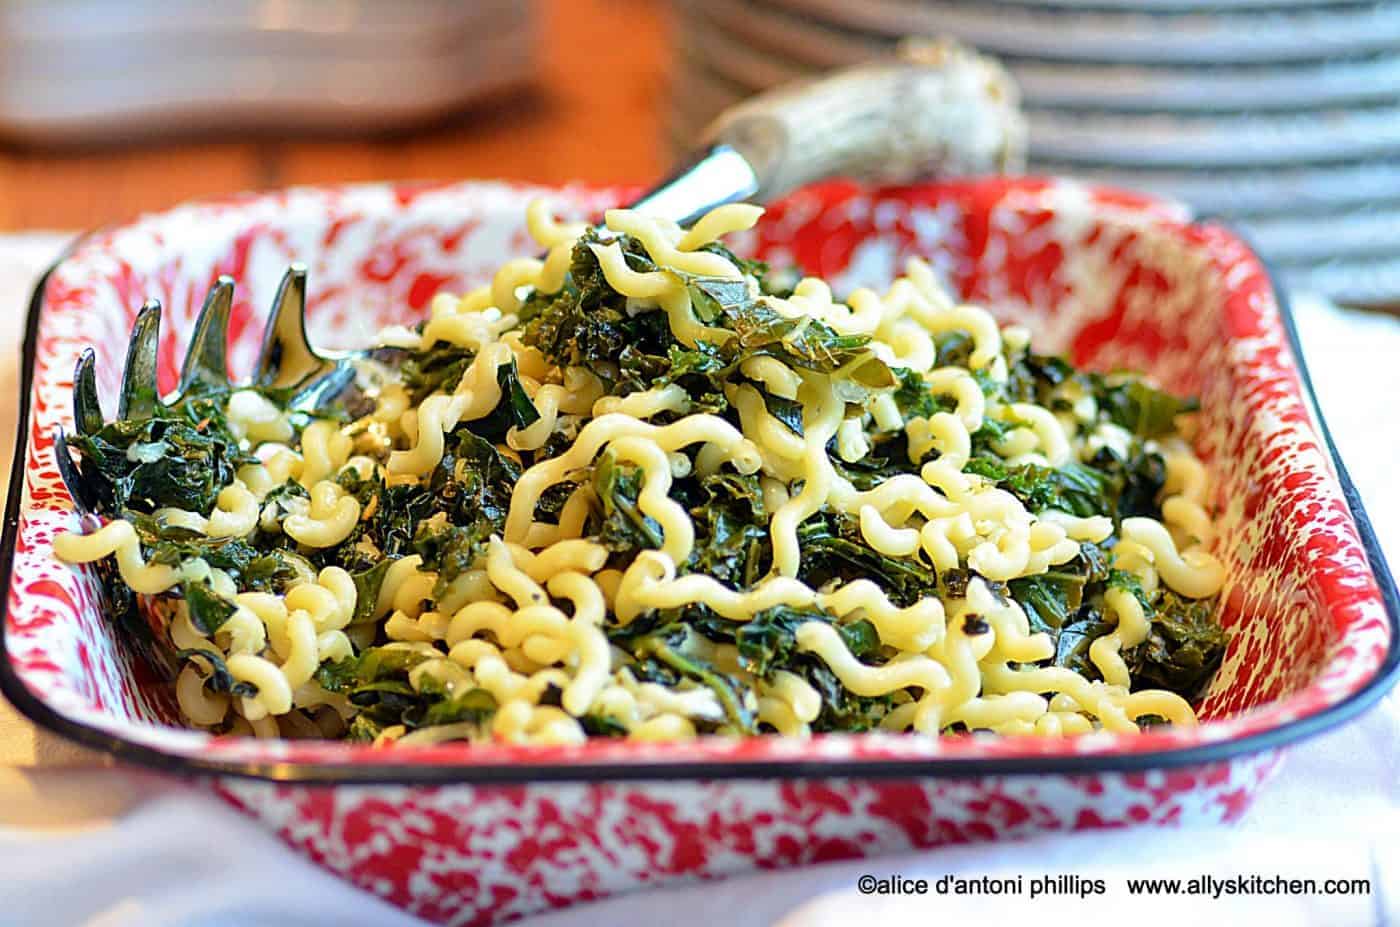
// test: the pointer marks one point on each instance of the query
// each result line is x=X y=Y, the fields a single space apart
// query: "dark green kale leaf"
x=451 y=550
x=1184 y=647
x=889 y=457
x=1127 y=582
x=953 y=349
x=842 y=709
x=595 y=725
x=1107 y=485
x=804 y=342
x=671 y=646
x=985 y=438
x=787 y=411
x=374 y=664
x=376 y=683
x=440 y=706
x=389 y=519
x=1033 y=377
x=1132 y=404
x=368 y=582
x=712 y=297
x=768 y=641
x=625 y=526
x=916 y=400
x=515 y=410
x=1050 y=599
x=275 y=571
x=435 y=369
x=1133 y=484
x=699 y=371
x=477 y=481
x=731 y=542
x=217 y=679
x=471 y=485
x=834 y=549
x=1074 y=488
x=171 y=545
x=587 y=322
x=181 y=458
x=1073 y=641
x=749 y=267
x=208 y=611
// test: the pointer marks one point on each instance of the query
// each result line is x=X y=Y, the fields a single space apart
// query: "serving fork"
x=935 y=108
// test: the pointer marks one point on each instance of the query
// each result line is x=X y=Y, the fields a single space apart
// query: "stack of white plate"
x=1282 y=116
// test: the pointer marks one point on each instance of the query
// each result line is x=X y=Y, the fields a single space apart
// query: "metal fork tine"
x=207 y=361
x=140 y=396
x=78 y=488
x=87 y=411
x=286 y=357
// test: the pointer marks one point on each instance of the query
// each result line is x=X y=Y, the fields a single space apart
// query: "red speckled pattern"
x=1113 y=278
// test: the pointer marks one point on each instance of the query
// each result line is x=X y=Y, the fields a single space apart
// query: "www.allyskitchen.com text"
x=1069 y=885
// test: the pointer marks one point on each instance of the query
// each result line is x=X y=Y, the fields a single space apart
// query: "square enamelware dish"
x=472 y=835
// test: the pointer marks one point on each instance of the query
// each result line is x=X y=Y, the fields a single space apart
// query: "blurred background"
x=112 y=109
x=1282 y=115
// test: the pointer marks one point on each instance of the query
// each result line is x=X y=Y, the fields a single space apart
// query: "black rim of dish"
x=330 y=774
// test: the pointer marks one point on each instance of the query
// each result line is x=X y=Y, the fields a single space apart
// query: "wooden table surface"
x=593 y=113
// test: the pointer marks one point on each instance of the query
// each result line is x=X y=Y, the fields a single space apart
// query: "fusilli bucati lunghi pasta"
x=639 y=489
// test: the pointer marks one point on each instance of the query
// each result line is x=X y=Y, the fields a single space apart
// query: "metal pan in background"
x=1366 y=284
x=1133 y=140
x=759 y=57
x=1129 y=37
x=1132 y=88
x=1306 y=188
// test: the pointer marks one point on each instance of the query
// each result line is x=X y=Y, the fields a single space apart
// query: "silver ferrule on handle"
x=716 y=176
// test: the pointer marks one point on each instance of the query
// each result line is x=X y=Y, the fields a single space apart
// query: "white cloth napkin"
x=107 y=847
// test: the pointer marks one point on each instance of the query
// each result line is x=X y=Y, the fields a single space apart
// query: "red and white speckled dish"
x=473 y=835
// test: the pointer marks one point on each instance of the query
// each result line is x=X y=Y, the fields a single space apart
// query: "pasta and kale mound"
x=643 y=488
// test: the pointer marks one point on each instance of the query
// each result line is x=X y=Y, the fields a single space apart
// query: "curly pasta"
x=634 y=488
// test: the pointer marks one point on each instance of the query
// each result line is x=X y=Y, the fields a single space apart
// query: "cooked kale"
x=1107 y=485
x=625 y=527
x=469 y=490
x=217 y=679
x=833 y=549
x=208 y=611
x=916 y=400
x=1132 y=404
x=187 y=454
x=671 y=647
x=787 y=411
x=1184 y=646
x=768 y=641
x=180 y=458
x=1033 y=377
x=731 y=537
x=376 y=681
x=586 y=324
x=1124 y=400
x=438 y=368
x=515 y=410
x=1074 y=488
